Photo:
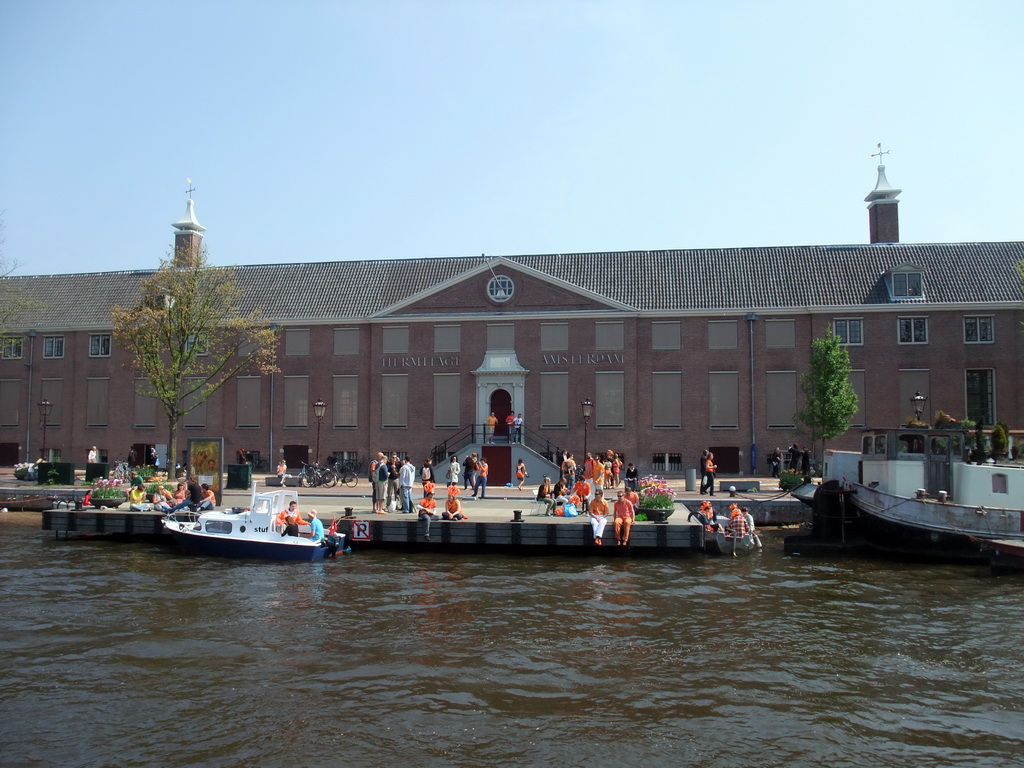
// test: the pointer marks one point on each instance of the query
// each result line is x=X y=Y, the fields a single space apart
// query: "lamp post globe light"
x=319 y=409
x=45 y=406
x=588 y=411
x=917 y=402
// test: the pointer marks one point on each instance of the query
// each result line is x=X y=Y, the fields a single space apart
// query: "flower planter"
x=657 y=515
x=108 y=503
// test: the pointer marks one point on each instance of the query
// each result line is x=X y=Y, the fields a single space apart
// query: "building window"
x=447 y=338
x=907 y=285
x=665 y=334
x=13 y=347
x=296 y=342
x=554 y=337
x=53 y=346
x=850 y=330
x=296 y=401
x=554 y=399
x=446 y=400
x=779 y=334
x=913 y=330
x=247 y=402
x=999 y=483
x=99 y=345
x=96 y=400
x=346 y=401
x=667 y=399
x=396 y=340
x=394 y=401
x=500 y=288
x=722 y=334
x=346 y=341
x=980 y=386
x=609 y=399
x=10 y=402
x=978 y=330
x=780 y=398
x=609 y=335
x=145 y=407
x=501 y=336
x=723 y=399
x=910 y=381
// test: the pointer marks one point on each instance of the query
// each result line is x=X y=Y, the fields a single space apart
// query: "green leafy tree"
x=829 y=399
x=188 y=336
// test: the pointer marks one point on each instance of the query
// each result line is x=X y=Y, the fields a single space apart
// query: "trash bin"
x=95 y=470
x=63 y=473
x=691 y=480
x=239 y=476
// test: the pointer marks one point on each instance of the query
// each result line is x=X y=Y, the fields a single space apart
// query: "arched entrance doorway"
x=501 y=407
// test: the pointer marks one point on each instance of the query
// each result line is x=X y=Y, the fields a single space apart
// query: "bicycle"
x=121 y=472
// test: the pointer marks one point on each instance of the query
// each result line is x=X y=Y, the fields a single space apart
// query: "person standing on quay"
x=709 y=475
x=521 y=473
x=468 y=467
x=489 y=424
x=480 y=487
x=775 y=462
x=406 y=477
x=454 y=471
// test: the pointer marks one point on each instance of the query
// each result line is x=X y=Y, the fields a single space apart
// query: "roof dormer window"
x=907 y=285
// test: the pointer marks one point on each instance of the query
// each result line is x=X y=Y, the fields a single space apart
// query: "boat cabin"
x=903 y=461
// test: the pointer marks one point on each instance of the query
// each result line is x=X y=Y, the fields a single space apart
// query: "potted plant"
x=24 y=471
x=107 y=493
x=790 y=479
x=1000 y=441
x=657 y=499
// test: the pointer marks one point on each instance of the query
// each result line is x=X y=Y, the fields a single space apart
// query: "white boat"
x=730 y=545
x=248 y=533
x=916 y=495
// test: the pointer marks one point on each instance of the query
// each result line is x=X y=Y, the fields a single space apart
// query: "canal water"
x=119 y=654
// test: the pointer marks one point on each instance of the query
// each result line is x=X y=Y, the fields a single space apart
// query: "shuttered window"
x=667 y=399
x=780 y=398
x=346 y=401
x=394 y=400
x=554 y=399
x=446 y=399
x=247 y=403
x=723 y=398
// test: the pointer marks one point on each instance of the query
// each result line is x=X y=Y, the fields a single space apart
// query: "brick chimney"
x=883 y=211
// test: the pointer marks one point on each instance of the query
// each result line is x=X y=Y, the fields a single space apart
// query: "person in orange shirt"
x=632 y=496
x=426 y=509
x=625 y=514
x=480 y=489
x=453 y=507
x=708 y=481
x=489 y=424
x=584 y=491
x=598 y=515
x=282 y=516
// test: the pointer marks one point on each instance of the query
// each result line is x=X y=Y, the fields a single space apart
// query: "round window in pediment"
x=500 y=288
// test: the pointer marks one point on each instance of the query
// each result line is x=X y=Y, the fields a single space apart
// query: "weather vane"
x=879 y=153
x=192 y=189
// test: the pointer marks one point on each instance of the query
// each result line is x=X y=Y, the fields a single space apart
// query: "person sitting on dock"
x=208 y=499
x=625 y=515
x=194 y=497
x=426 y=511
x=598 y=515
x=584 y=490
x=545 y=493
x=137 y=499
x=452 y=506
x=161 y=499
x=316 y=528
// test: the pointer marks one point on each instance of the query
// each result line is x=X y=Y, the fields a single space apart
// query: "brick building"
x=678 y=350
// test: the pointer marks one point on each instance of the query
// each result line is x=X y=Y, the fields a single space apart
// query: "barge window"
x=867 y=445
x=880 y=445
x=999 y=483
x=911 y=444
x=940 y=446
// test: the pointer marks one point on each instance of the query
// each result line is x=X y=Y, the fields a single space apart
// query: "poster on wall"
x=206 y=462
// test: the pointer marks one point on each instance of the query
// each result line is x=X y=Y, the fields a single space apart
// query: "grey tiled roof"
x=727 y=279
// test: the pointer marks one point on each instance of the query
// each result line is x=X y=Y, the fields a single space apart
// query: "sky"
x=377 y=129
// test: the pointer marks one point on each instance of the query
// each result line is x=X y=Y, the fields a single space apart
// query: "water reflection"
x=134 y=655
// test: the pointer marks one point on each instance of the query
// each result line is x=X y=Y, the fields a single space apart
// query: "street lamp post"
x=918 y=401
x=588 y=411
x=45 y=406
x=319 y=409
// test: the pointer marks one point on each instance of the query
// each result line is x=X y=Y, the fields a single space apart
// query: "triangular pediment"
x=502 y=287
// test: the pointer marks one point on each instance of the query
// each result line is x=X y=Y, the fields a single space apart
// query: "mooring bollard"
x=517 y=515
x=348 y=512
